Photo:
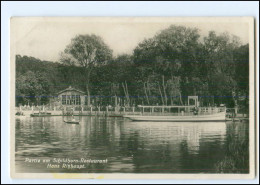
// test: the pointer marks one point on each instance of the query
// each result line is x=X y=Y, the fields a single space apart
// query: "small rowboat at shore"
x=71 y=122
x=40 y=114
x=192 y=118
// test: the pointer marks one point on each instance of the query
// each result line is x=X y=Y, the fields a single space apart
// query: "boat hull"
x=194 y=118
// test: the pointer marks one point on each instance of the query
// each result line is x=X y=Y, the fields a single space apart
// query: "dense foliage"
x=163 y=70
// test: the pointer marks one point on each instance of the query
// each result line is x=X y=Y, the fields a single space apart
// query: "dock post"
x=124 y=110
x=91 y=110
x=98 y=110
x=133 y=109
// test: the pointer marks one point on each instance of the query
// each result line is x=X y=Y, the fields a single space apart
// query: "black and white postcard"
x=132 y=97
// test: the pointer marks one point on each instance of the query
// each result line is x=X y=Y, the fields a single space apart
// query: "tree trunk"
x=164 y=90
x=180 y=98
x=148 y=88
x=124 y=91
x=127 y=94
x=145 y=91
x=161 y=95
x=87 y=87
x=173 y=90
x=89 y=100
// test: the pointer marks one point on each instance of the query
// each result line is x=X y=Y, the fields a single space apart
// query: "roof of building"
x=71 y=89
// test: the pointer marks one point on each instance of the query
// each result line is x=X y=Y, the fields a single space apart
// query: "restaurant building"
x=70 y=97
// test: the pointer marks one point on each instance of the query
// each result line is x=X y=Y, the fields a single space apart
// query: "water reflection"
x=132 y=147
x=236 y=149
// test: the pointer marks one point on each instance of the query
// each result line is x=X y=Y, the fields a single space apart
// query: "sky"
x=46 y=37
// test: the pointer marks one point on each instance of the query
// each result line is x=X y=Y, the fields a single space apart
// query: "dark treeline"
x=163 y=70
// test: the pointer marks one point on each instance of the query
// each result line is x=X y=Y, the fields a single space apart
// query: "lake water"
x=128 y=147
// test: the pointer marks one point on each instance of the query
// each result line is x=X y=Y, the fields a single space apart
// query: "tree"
x=219 y=65
x=241 y=58
x=173 y=64
x=32 y=87
x=171 y=54
x=86 y=51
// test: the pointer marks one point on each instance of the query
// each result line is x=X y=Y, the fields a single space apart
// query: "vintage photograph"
x=131 y=95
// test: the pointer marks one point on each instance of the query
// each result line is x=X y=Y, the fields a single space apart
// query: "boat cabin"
x=193 y=101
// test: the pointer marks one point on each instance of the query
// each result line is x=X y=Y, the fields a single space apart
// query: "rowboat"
x=71 y=122
x=19 y=113
x=41 y=114
x=221 y=116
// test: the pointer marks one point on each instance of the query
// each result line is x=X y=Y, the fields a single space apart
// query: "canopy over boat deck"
x=167 y=106
x=179 y=109
x=192 y=102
